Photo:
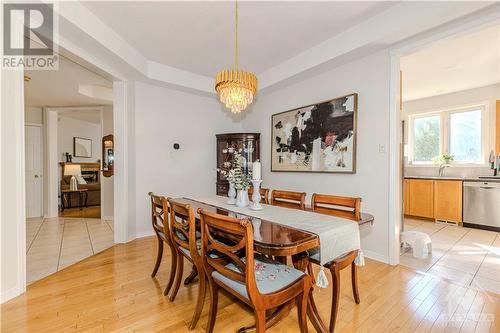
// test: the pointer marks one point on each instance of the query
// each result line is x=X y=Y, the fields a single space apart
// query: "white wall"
x=68 y=128
x=12 y=210
x=369 y=77
x=488 y=95
x=33 y=115
x=164 y=117
x=107 y=183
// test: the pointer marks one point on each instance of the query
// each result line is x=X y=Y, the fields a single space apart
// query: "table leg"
x=301 y=261
x=80 y=199
x=62 y=201
x=86 y=197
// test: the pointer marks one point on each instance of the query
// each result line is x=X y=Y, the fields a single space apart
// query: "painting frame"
x=354 y=138
x=82 y=141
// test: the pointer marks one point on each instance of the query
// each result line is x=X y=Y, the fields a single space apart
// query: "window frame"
x=444 y=133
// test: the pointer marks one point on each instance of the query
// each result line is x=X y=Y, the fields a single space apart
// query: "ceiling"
x=198 y=36
x=60 y=87
x=89 y=115
x=467 y=61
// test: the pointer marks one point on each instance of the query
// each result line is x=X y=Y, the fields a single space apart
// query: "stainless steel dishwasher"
x=482 y=205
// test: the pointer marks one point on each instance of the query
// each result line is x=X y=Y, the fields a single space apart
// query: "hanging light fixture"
x=236 y=88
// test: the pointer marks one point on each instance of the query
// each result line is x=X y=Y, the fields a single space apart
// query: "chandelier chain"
x=236 y=88
x=236 y=35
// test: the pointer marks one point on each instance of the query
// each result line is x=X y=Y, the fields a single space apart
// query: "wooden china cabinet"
x=239 y=140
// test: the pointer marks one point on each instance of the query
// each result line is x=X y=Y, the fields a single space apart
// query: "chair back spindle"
x=349 y=207
x=217 y=255
x=159 y=217
x=183 y=226
x=288 y=199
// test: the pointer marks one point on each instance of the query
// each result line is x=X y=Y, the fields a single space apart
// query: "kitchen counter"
x=468 y=179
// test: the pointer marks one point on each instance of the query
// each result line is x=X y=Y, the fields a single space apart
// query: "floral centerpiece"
x=233 y=170
x=241 y=179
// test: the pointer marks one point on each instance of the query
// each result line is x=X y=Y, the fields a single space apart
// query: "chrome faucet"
x=441 y=169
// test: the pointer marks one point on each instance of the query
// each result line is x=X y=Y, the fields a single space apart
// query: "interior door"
x=34 y=165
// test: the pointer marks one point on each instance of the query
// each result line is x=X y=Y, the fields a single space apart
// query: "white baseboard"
x=10 y=294
x=108 y=218
x=376 y=256
x=146 y=233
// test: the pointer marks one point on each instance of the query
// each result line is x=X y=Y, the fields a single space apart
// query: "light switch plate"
x=382 y=148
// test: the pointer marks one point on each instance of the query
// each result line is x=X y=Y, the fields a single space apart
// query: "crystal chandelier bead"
x=236 y=89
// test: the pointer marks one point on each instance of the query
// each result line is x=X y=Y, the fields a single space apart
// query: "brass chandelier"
x=236 y=88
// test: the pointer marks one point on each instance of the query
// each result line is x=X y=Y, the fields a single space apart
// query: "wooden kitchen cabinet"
x=421 y=198
x=448 y=200
x=434 y=199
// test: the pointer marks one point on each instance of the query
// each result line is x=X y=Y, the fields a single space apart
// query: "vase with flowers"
x=241 y=180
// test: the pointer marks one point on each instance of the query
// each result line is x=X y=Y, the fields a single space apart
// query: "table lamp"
x=72 y=170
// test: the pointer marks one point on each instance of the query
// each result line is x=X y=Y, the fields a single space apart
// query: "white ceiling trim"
x=85 y=20
x=388 y=27
x=94 y=91
x=172 y=75
x=392 y=25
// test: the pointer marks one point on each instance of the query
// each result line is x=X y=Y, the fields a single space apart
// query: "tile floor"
x=55 y=243
x=467 y=256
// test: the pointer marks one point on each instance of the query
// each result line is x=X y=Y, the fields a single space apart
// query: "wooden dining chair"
x=264 y=194
x=346 y=207
x=183 y=234
x=257 y=281
x=288 y=199
x=159 y=220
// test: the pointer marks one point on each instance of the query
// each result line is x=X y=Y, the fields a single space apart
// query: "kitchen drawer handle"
x=487 y=187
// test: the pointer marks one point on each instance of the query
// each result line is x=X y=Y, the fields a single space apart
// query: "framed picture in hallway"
x=316 y=138
x=82 y=147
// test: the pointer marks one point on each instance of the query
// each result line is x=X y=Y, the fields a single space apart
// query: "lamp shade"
x=72 y=170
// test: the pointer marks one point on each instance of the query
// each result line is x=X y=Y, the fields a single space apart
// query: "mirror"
x=107 y=156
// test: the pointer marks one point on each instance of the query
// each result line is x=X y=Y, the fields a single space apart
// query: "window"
x=457 y=132
x=427 y=137
x=465 y=136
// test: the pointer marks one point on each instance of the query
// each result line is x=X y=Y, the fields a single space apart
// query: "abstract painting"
x=316 y=138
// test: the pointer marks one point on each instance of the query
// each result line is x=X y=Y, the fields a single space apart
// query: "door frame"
x=42 y=161
x=52 y=165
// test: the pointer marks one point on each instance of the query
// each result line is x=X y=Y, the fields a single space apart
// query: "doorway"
x=66 y=224
x=448 y=112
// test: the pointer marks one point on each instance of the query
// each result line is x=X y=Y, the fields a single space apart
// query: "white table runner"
x=337 y=235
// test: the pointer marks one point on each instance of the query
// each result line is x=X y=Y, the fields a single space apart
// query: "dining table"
x=277 y=240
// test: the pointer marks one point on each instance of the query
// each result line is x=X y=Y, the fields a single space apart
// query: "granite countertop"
x=469 y=179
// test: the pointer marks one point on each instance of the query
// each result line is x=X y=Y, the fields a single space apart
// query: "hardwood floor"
x=85 y=212
x=113 y=291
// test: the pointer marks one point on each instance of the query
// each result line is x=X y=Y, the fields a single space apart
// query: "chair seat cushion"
x=270 y=276
x=186 y=251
